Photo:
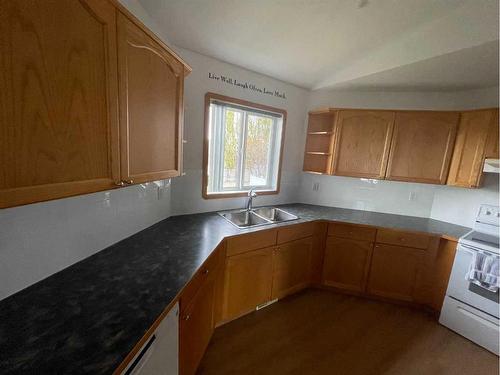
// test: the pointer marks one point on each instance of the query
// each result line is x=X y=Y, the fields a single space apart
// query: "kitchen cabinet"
x=319 y=141
x=251 y=241
x=362 y=142
x=422 y=145
x=355 y=232
x=196 y=327
x=90 y=100
x=492 y=150
x=59 y=128
x=291 y=267
x=346 y=263
x=408 y=239
x=247 y=282
x=395 y=271
x=475 y=133
x=151 y=106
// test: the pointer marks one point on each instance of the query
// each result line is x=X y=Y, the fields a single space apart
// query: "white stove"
x=469 y=308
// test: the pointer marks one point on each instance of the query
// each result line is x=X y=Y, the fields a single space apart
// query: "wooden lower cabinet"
x=196 y=327
x=247 y=282
x=346 y=263
x=291 y=267
x=394 y=271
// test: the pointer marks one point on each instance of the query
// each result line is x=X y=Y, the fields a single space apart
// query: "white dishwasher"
x=160 y=354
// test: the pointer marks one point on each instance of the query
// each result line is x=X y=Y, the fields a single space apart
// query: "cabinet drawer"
x=251 y=241
x=295 y=232
x=355 y=232
x=393 y=237
x=207 y=269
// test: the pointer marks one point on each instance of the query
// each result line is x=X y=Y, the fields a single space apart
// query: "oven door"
x=471 y=294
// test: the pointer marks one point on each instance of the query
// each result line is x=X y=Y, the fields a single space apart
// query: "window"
x=243 y=144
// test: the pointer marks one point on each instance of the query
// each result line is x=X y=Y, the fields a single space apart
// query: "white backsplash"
x=186 y=194
x=452 y=204
x=369 y=195
x=40 y=239
x=460 y=205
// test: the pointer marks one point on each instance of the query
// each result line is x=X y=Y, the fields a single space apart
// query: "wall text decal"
x=247 y=85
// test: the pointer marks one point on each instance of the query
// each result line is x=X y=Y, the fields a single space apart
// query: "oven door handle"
x=472 y=250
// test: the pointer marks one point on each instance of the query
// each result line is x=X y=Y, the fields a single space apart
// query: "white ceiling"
x=344 y=44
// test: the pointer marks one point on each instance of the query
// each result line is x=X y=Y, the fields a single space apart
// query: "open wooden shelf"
x=319 y=142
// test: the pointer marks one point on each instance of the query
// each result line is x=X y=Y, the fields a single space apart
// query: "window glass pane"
x=233 y=127
x=257 y=155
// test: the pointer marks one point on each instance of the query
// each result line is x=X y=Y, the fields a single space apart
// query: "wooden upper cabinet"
x=473 y=137
x=362 y=142
x=151 y=106
x=422 y=146
x=492 y=150
x=58 y=108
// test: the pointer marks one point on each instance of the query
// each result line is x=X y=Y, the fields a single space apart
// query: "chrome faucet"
x=251 y=195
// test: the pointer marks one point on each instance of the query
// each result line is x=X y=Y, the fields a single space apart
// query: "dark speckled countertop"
x=86 y=318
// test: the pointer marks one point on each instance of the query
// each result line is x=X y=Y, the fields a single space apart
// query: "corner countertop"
x=86 y=318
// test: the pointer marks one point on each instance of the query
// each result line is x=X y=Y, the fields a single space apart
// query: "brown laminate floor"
x=320 y=332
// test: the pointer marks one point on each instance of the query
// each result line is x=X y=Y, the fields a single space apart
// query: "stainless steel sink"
x=256 y=217
x=244 y=219
x=274 y=214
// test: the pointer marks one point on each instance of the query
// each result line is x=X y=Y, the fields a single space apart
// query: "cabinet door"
x=247 y=282
x=362 y=140
x=394 y=271
x=346 y=263
x=492 y=150
x=58 y=89
x=151 y=103
x=291 y=267
x=196 y=328
x=470 y=148
x=421 y=146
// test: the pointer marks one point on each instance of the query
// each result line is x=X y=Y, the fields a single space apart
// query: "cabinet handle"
x=124 y=182
x=205 y=271
x=187 y=317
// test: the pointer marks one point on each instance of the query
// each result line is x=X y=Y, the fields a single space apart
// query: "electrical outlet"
x=316 y=186
x=412 y=196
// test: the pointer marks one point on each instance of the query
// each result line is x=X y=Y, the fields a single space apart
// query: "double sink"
x=256 y=217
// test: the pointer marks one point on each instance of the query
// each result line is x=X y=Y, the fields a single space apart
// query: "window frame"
x=209 y=97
